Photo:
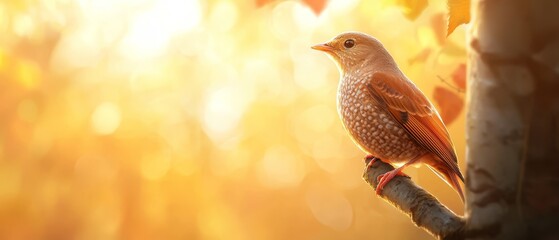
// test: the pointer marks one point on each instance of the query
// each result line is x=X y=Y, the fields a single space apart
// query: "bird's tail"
x=450 y=177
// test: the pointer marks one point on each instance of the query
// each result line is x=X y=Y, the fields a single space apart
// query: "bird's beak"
x=325 y=47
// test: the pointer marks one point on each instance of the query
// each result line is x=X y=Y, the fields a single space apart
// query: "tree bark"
x=512 y=121
x=423 y=208
x=512 y=130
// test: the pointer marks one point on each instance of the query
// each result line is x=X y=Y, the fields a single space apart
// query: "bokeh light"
x=190 y=119
x=105 y=118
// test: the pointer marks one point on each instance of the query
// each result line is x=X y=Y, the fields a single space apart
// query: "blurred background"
x=191 y=119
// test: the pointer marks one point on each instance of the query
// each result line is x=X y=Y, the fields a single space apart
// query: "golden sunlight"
x=106 y=118
x=191 y=119
x=151 y=31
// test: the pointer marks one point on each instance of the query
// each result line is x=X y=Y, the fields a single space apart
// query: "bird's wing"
x=410 y=107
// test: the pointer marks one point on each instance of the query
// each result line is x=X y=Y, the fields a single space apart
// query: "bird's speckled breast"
x=371 y=127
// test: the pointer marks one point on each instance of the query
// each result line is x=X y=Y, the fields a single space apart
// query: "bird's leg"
x=383 y=179
x=371 y=159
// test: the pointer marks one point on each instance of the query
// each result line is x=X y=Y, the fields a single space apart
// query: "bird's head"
x=352 y=49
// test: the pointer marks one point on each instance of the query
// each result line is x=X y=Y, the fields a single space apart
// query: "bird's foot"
x=383 y=179
x=370 y=159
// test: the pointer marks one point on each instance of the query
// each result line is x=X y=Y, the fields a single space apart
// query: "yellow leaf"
x=458 y=13
x=412 y=8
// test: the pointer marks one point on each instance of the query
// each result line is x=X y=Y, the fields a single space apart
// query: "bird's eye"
x=349 y=43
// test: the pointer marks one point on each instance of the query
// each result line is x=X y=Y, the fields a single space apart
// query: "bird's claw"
x=370 y=159
x=384 y=178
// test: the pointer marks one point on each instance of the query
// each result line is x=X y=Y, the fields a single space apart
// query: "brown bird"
x=386 y=114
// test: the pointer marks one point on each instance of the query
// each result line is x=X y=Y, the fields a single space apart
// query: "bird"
x=386 y=114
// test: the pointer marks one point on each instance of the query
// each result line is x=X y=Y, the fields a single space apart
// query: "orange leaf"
x=458 y=13
x=449 y=104
x=438 y=23
x=459 y=76
x=420 y=57
x=261 y=3
x=316 y=5
x=412 y=8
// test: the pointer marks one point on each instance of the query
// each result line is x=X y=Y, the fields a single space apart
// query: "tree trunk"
x=512 y=178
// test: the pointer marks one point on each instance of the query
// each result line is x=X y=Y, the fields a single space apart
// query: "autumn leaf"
x=438 y=23
x=261 y=3
x=453 y=49
x=316 y=5
x=459 y=76
x=449 y=104
x=458 y=13
x=421 y=56
x=412 y=8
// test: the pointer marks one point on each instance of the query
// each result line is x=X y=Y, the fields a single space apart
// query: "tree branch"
x=423 y=208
